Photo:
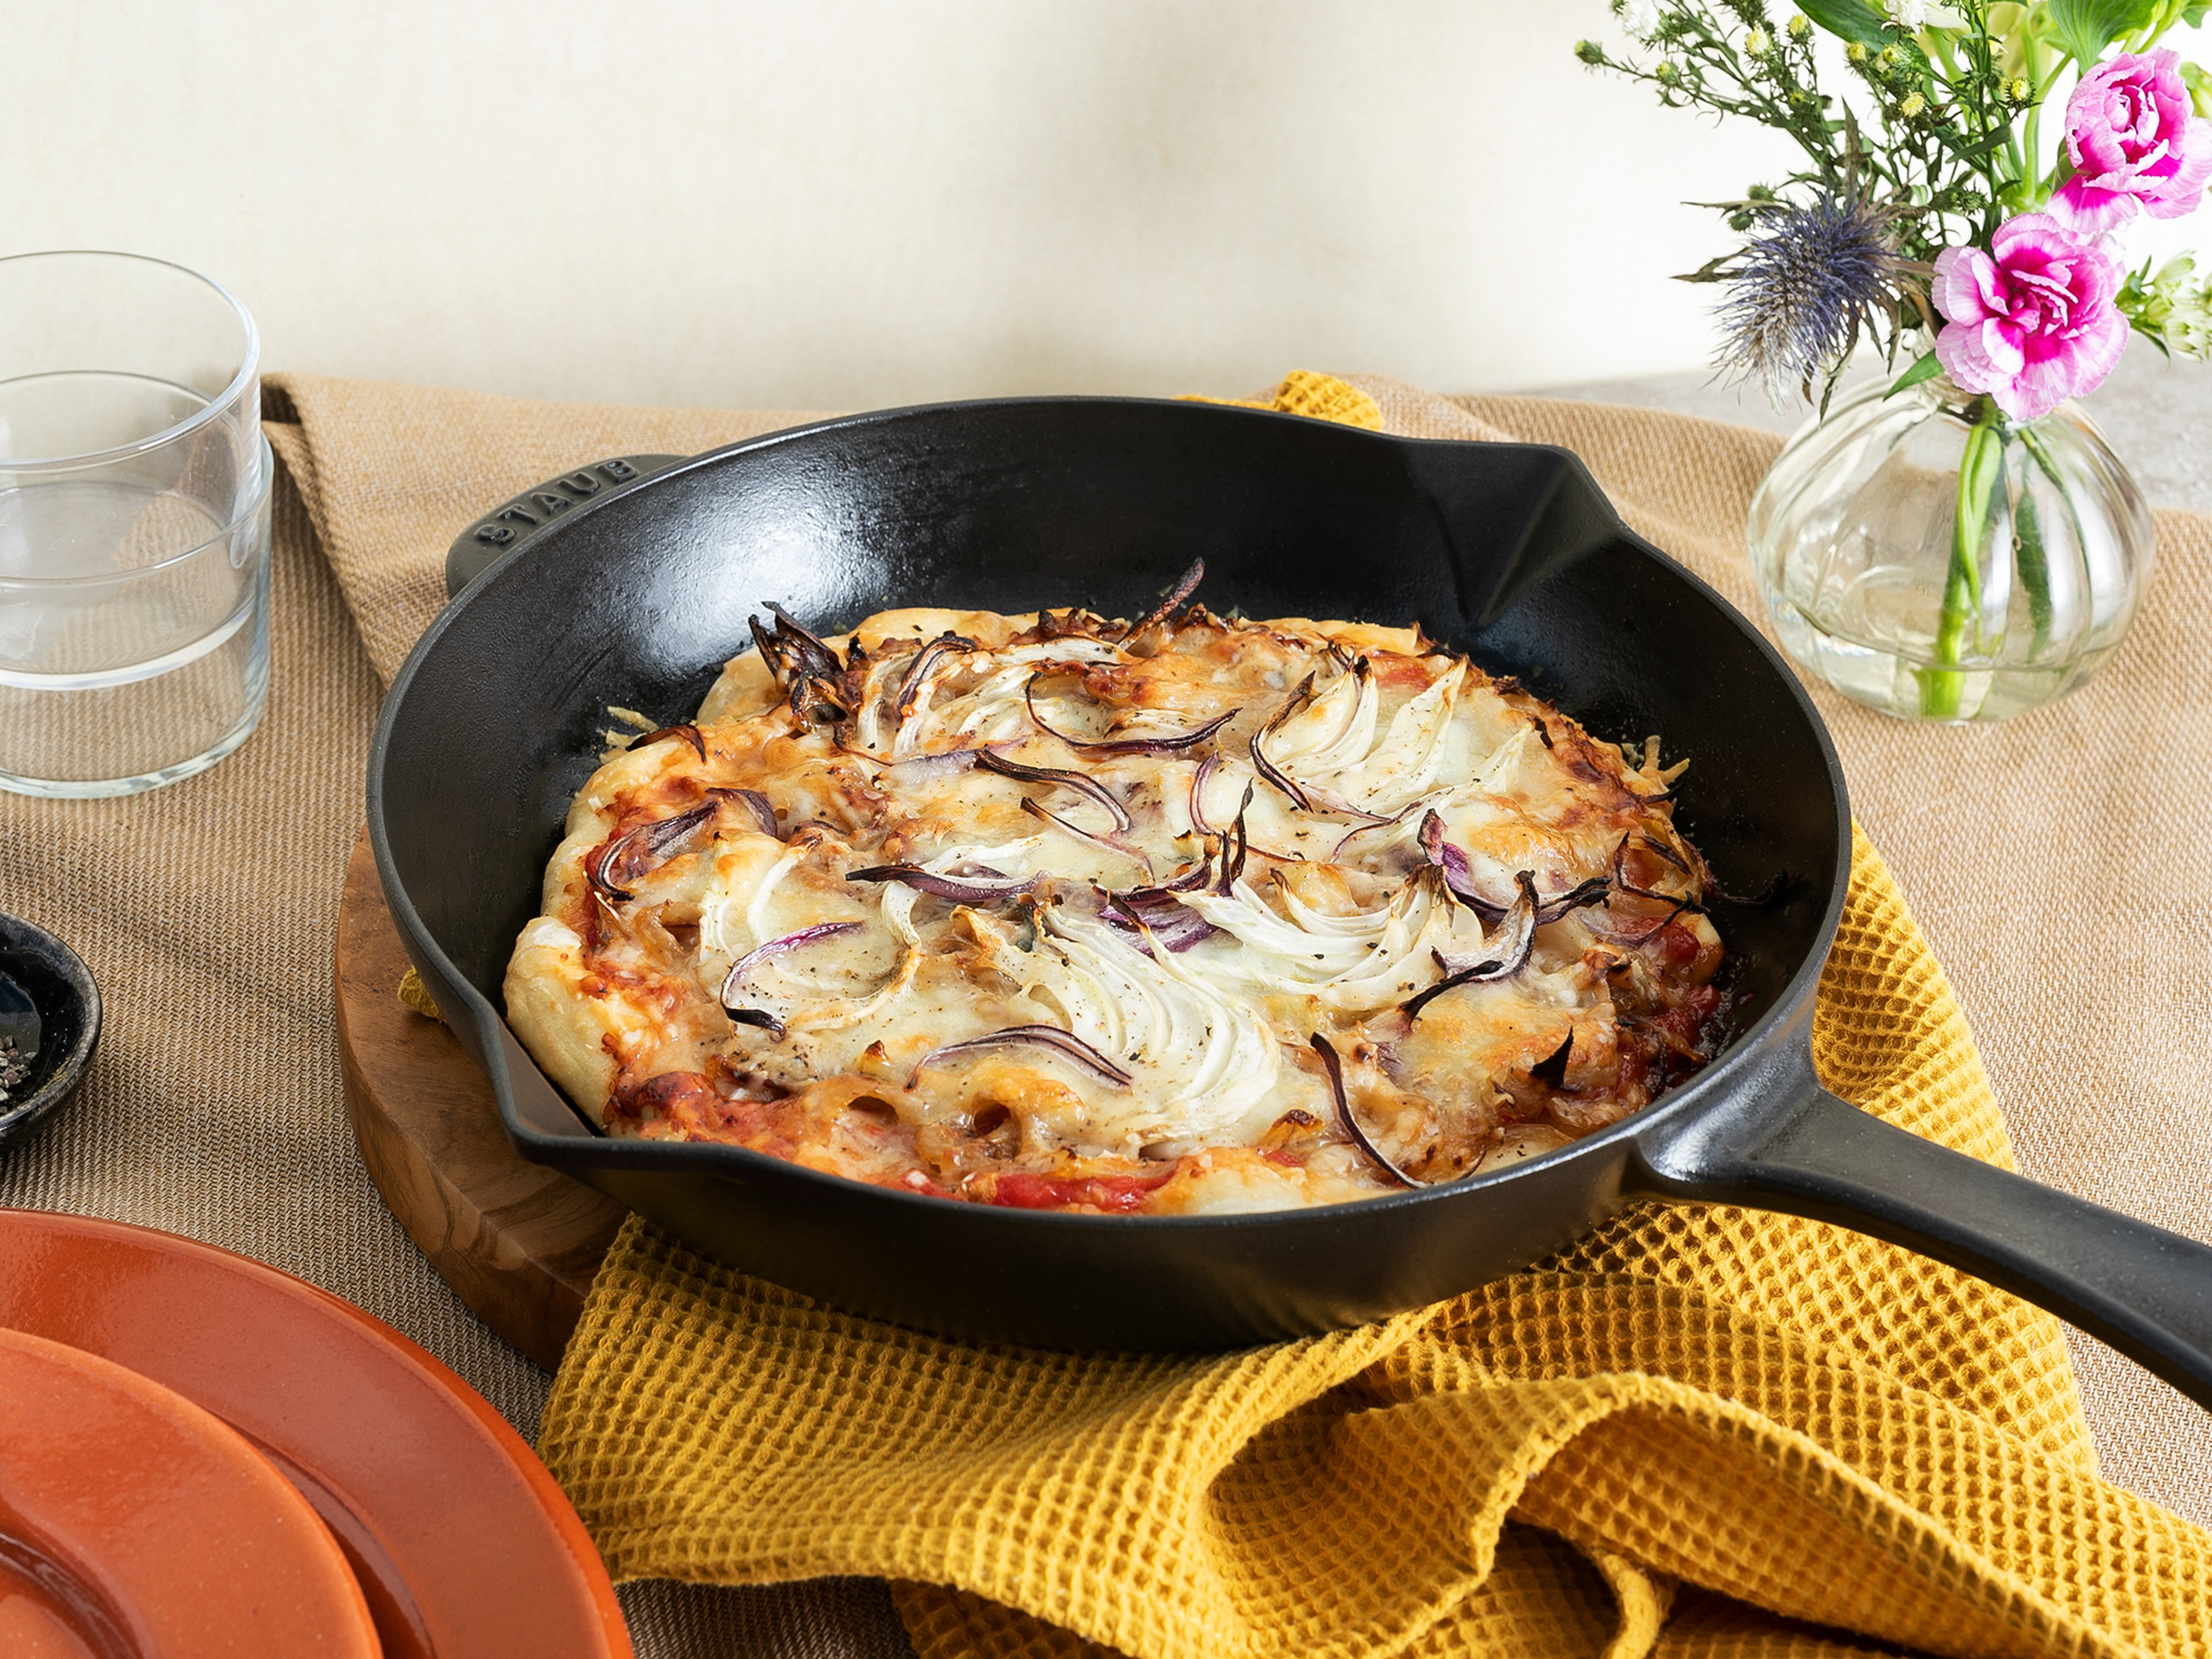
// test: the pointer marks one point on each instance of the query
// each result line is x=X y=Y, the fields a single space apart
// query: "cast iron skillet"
x=616 y=586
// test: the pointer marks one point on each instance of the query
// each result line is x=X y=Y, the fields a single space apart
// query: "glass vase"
x=1930 y=557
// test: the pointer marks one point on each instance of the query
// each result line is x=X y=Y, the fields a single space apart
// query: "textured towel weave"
x=1819 y=1426
x=1798 y=1423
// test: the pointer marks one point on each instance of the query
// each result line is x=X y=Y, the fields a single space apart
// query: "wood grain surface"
x=518 y=1241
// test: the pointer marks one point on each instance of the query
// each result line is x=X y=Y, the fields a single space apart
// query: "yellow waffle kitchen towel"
x=1703 y=1431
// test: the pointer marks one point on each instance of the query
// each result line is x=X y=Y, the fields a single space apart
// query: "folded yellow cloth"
x=1323 y=396
x=1698 y=1428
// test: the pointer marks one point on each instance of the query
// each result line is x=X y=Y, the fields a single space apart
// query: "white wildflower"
x=1640 y=17
x=1913 y=16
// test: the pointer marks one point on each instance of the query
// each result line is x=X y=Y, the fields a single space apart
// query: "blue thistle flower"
x=1800 y=293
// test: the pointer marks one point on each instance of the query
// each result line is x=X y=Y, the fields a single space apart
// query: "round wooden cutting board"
x=519 y=1242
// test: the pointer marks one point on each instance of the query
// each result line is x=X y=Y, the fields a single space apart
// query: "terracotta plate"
x=463 y=1544
x=132 y=1521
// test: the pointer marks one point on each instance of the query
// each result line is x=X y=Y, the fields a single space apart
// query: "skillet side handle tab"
x=2143 y=1290
x=514 y=522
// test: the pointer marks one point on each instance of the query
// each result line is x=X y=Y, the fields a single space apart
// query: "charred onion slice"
x=689 y=734
x=1183 y=590
x=1066 y=1043
x=1122 y=745
x=1458 y=876
x=918 y=671
x=759 y=1017
x=813 y=655
x=1076 y=781
x=1776 y=885
x=961 y=890
x=754 y=802
x=1552 y=1070
x=1267 y=769
x=771 y=650
x=1345 y=1115
x=1592 y=891
x=810 y=694
x=651 y=840
x=1233 y=866
x=1520 y=928
x=1680 y=902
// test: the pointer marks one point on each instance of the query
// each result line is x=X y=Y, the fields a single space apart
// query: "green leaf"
x=1925 y=368
x=2083 y=28
x=1853 y=19
x=2199 y=83
x=2193 y=15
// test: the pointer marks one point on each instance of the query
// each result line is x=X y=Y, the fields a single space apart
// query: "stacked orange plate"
x=200 y=1455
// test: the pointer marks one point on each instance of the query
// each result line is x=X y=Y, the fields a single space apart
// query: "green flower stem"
x=1942 y=683
x=2034 y=565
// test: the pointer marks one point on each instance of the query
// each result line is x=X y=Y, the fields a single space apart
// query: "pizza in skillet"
x=1188 y=914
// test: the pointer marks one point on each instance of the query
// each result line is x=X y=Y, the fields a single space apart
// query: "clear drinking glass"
x=134 y=524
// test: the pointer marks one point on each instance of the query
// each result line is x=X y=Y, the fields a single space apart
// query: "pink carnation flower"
x=2135 y=145
x=2031 y=321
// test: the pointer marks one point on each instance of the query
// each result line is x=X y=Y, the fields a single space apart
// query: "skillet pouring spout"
x=2146 y=1292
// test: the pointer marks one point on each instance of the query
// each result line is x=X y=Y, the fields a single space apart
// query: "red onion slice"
x=1066 y=1043
x=651 y=840
x=918 y=671
x=1076 y=781
x=1183 y=590
x=1156 y=911
x=1344 y=1115
x=1399 y=817
x=1123 y=745
x=1204 y=775
x=961 y=890
x=776 y=947
x=754 y=802
x=689 y=733
x=759 y=954
x=1274 y=774
x=1519 y=924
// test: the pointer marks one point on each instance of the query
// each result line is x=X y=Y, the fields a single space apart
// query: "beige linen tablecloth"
x=2052 y=862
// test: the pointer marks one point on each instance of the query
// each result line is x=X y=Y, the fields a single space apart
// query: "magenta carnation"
x=2135 y=145
x=2031 y=321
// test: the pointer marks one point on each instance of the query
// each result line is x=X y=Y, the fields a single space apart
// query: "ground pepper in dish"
x=1188 y=914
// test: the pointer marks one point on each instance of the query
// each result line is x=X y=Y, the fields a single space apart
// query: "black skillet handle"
x=511 y=523
x=2146 y=1292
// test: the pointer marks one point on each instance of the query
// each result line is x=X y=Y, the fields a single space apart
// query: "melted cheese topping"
x=1036 y=911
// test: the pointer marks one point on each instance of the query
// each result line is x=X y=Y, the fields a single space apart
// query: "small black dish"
x=61 y=987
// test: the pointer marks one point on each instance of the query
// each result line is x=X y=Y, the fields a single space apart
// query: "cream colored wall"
x=881 y=201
